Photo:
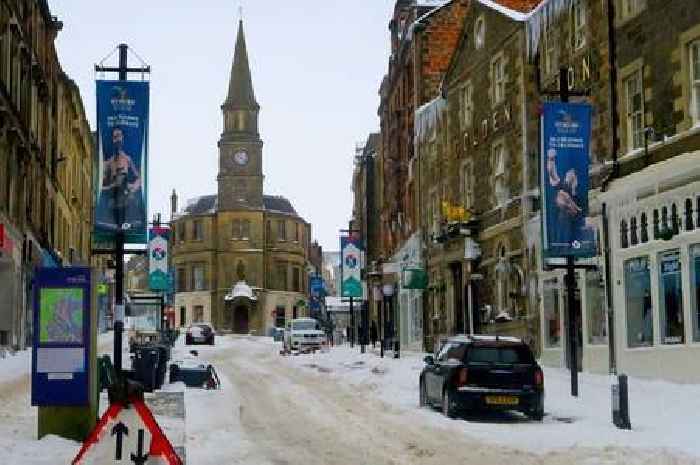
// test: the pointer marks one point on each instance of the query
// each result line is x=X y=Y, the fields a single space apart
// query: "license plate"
x=502 y=400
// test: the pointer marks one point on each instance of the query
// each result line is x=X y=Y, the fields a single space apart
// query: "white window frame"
x=480 y=32
x=498 y=79
x=694 y=80
x=634 y=119
x=467 y=185
x=579 y=22
x=499 y=154
x=550 y=45
x=630 y=8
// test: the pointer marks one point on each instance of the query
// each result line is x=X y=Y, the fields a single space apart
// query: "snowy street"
x=342 y=407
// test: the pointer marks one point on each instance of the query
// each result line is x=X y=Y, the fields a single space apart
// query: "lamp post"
x=388 y=292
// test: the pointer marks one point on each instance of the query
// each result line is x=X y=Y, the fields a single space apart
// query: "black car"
x=199 y=333
x=483 y=373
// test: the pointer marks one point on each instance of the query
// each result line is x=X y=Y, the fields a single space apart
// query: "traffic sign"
x=127 y=434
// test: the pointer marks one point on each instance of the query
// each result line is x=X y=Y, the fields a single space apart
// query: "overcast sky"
x=316 y=66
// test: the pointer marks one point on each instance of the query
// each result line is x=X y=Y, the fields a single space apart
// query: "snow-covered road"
x=290 y=411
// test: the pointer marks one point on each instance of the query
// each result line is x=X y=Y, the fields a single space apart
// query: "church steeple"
x=240 y=84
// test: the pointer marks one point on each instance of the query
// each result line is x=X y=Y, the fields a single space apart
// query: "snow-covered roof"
x=241 y=290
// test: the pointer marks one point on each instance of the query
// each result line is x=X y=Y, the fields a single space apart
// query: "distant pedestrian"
x=373 y=333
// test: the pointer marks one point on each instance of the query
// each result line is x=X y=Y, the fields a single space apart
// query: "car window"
x=442 y=354
x=456 y=352
x=304 y=325
x=515 y=354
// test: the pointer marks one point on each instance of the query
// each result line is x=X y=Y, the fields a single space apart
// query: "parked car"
x=483 y=373
x=303 y=333
x=200 y=333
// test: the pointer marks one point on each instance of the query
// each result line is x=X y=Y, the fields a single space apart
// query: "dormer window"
x=480 y=32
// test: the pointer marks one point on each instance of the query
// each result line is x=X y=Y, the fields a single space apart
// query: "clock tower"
x=240 y=176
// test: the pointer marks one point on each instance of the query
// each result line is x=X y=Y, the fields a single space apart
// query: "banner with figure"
x=350 y=267
x=566 y=134
x=122 y=160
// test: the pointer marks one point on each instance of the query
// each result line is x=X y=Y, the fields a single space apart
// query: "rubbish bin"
x=162 y=367
x=145 y=366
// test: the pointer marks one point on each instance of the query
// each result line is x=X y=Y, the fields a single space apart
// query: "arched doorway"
x=240 y=319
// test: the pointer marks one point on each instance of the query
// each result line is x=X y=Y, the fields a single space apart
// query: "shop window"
x=596 y=314
x=640 y=327
x=671 y=298
x=552 y=313
x=695 y=296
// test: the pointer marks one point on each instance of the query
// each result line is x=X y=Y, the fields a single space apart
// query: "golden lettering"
x=586 y=69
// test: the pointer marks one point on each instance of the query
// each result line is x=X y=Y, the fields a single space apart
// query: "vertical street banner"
x=350 y=267
x=122 y=160
x=566 y=134
x=61 y=340
x=158 y=259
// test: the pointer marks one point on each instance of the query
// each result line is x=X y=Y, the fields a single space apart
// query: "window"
x=281 y=230
x=181 y=232
x=480 y=32
x=198 y=278
x=695 y=295
x=550 y=44
x=296 y=279
x=236 y=229
x=280 y=313
x=640 y=328
x=435 y=205
x=596 y=314
x=467 y=186
x=671 y=298
x=181 y=280
x=695 y=80
x=297 y=227
x=515 y=354
x=500 y=187
x=551 y=311
x=579 y=23
x=635 y=110
x=498 y=79
x=457 y=352
x=444 y=350
x=268 y=230
x=198 y=314
x=630 y=8
x=197 y=230
x=282 y=276
x=245 y=229
x=467 y=106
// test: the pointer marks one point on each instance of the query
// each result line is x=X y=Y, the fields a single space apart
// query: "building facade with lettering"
x=240 y=257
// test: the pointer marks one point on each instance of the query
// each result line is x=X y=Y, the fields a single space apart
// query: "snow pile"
x=15 y=365
x=661 y=413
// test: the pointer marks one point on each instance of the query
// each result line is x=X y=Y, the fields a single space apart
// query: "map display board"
x=61 y=343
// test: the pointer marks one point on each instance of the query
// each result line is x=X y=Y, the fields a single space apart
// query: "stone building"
x=45 y=163
x=240 y=256
x=652 y=197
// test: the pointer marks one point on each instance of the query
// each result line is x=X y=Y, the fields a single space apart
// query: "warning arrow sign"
x=127 y=435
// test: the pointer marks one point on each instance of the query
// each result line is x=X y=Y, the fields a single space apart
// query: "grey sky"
x=316 y=67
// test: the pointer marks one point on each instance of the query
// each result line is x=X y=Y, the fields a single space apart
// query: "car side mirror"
x=429 y=360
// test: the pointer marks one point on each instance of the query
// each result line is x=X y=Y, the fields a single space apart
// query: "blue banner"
x=61 y=340
x=566 y=134
x=351 y=255
x=122 y=160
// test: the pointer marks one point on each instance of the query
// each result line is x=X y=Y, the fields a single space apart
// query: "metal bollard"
x=620 y=403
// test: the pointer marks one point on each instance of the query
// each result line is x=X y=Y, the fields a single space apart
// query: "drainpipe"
x=615 y=145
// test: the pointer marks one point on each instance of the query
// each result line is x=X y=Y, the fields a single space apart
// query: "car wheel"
x=447 y=405
x=422 y=395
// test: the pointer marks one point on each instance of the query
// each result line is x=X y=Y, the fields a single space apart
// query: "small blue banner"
x=61 y=342
x=566 y=134
x=122 y=160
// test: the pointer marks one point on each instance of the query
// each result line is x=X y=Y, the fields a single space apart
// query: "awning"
x=241 y=290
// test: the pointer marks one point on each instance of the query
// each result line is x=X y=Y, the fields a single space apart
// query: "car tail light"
x=539 y=378
x=462 y=377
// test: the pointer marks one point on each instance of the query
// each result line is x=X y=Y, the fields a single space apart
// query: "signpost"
x=127 y=435
x=63 y=360
x=566 y=134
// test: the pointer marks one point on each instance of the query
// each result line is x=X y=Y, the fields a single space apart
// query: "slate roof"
x=206 y=204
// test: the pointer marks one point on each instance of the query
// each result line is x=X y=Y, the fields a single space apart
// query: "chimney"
x=173 y=204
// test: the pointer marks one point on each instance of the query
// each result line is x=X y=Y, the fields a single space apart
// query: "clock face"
x=241 y=157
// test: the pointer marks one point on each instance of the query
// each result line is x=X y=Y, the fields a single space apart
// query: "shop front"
x=655 y=240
